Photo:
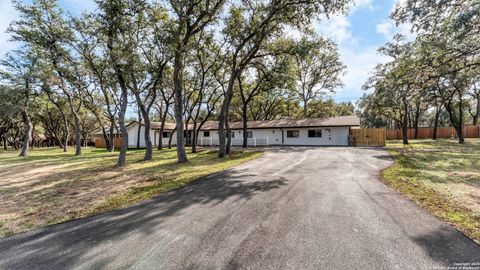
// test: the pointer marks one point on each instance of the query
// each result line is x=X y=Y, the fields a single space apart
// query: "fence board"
x=100 y=143
x=427 y=133
x=369 y=136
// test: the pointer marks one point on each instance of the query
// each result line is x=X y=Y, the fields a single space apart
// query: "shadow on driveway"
x=60 y=246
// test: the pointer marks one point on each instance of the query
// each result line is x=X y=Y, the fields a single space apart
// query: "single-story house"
x=332 y=131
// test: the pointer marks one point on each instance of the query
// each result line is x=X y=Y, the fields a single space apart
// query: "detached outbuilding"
x=330 y=131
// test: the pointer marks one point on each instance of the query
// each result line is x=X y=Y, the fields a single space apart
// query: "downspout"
x=283 y=140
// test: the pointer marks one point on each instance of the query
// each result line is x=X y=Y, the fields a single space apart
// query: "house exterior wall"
x=154 y=136
x=330 y=136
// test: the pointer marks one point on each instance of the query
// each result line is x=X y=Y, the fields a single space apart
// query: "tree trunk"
x=459 y=131
x=139 y=130
x=415 y=132
x=143 y=113
x=112 y=136
x=162 y=127
x=66 y=133
x=106 y=138
x=459 y=128
x=170 y=139
x=160 y=139
x=229 y=139
x=245 y=126
x=305 y=109
x=405 y=121
x=148 y=140
x=416 y=121
x=194 y=137
x=78 y=135
x=178 y=93
x=435 y=124
x=5 y=143
x=65 y=139
x=185 y=132
x=28 y=128
x=223 y=117
x=33 y=136
x=76 y=124
x=123 y=129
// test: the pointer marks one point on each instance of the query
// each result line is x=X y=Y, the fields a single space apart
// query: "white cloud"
x=360 y=60
x=359 y=65
x=388 y=29
x=337 y=27
x=362 y=4
x=384 y=28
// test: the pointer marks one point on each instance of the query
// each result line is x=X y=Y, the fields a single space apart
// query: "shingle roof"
x=339 y=121
x=168 y=126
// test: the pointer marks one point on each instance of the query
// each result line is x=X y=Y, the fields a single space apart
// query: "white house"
x=331 y=131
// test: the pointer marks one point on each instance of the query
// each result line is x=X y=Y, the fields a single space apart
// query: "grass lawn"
x=441 y=176
x=50 y=186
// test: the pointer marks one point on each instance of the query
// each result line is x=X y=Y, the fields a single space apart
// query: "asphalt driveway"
x=293 y=208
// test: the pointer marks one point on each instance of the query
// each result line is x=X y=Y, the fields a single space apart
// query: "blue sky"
x=358 y=35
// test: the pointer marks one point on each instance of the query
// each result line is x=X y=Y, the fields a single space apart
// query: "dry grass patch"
x=441 y=176
x=50 y=186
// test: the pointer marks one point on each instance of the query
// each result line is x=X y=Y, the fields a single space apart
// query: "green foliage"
x=329 y=108
x=440 y=176
x=317 y=68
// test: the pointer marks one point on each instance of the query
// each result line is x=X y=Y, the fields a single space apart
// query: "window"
x=249 y=134
x=315 y=133
x=206 y=134
x=293 y=134
x=166 y=135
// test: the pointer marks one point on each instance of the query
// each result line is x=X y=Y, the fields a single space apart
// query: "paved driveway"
x=293 y=208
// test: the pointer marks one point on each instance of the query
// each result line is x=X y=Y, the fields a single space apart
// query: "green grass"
x=50 y=186
x=441 y=176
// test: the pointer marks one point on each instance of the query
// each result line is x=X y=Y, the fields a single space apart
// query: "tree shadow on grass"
x=62 y=246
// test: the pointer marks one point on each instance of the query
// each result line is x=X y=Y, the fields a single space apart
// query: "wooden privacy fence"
x=427 y=133
x=368 y=136
x=100 y=143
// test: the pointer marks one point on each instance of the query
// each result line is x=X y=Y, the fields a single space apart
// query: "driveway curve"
x=292 y=208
